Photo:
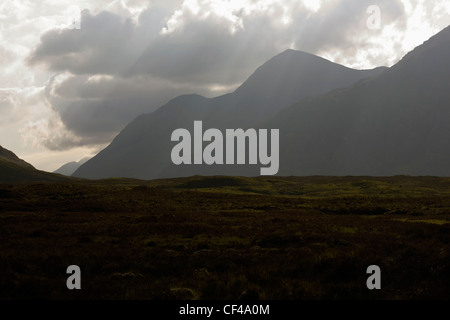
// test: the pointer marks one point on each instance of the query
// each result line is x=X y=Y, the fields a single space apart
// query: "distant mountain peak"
x=293 y=52
x=69 y=168
x=294 y=75
x=289 y=54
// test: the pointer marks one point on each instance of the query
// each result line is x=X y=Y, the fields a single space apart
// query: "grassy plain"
x=227 y=238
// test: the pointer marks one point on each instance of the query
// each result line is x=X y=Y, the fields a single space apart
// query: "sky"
x=74 y=73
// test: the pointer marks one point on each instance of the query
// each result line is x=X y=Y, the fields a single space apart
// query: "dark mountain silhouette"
x=396 y=123
x=69 y=168
x=284 y=80
x=142 y=150
x=14 y=169
x=7 y=156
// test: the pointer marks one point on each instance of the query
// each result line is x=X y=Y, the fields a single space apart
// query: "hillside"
x=14 y=169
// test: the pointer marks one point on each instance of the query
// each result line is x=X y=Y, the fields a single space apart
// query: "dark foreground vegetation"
x=227 y=238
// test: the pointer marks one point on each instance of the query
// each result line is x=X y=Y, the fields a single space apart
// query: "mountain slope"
x=142 y=150
x=13 y=169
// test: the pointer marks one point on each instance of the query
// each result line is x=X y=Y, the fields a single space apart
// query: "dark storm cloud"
x=102 y=45
x=205 y=51
x=201 y=52
x=94 y=108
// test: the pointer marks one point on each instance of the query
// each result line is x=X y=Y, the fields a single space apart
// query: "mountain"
x=14 y=169
x=142 y=150
x=69 y=168
x=394 y=124
x=284 y=80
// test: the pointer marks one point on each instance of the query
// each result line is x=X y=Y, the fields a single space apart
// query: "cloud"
x=105 y=43
x=202 y=43
x=6 y=107
x=18 y=103
x=91 y=109
x=339 y=31
x=6 y=56
x=102 y=45
x=131 y=58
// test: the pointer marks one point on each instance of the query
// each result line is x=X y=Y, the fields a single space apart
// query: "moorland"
x=219 y=237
